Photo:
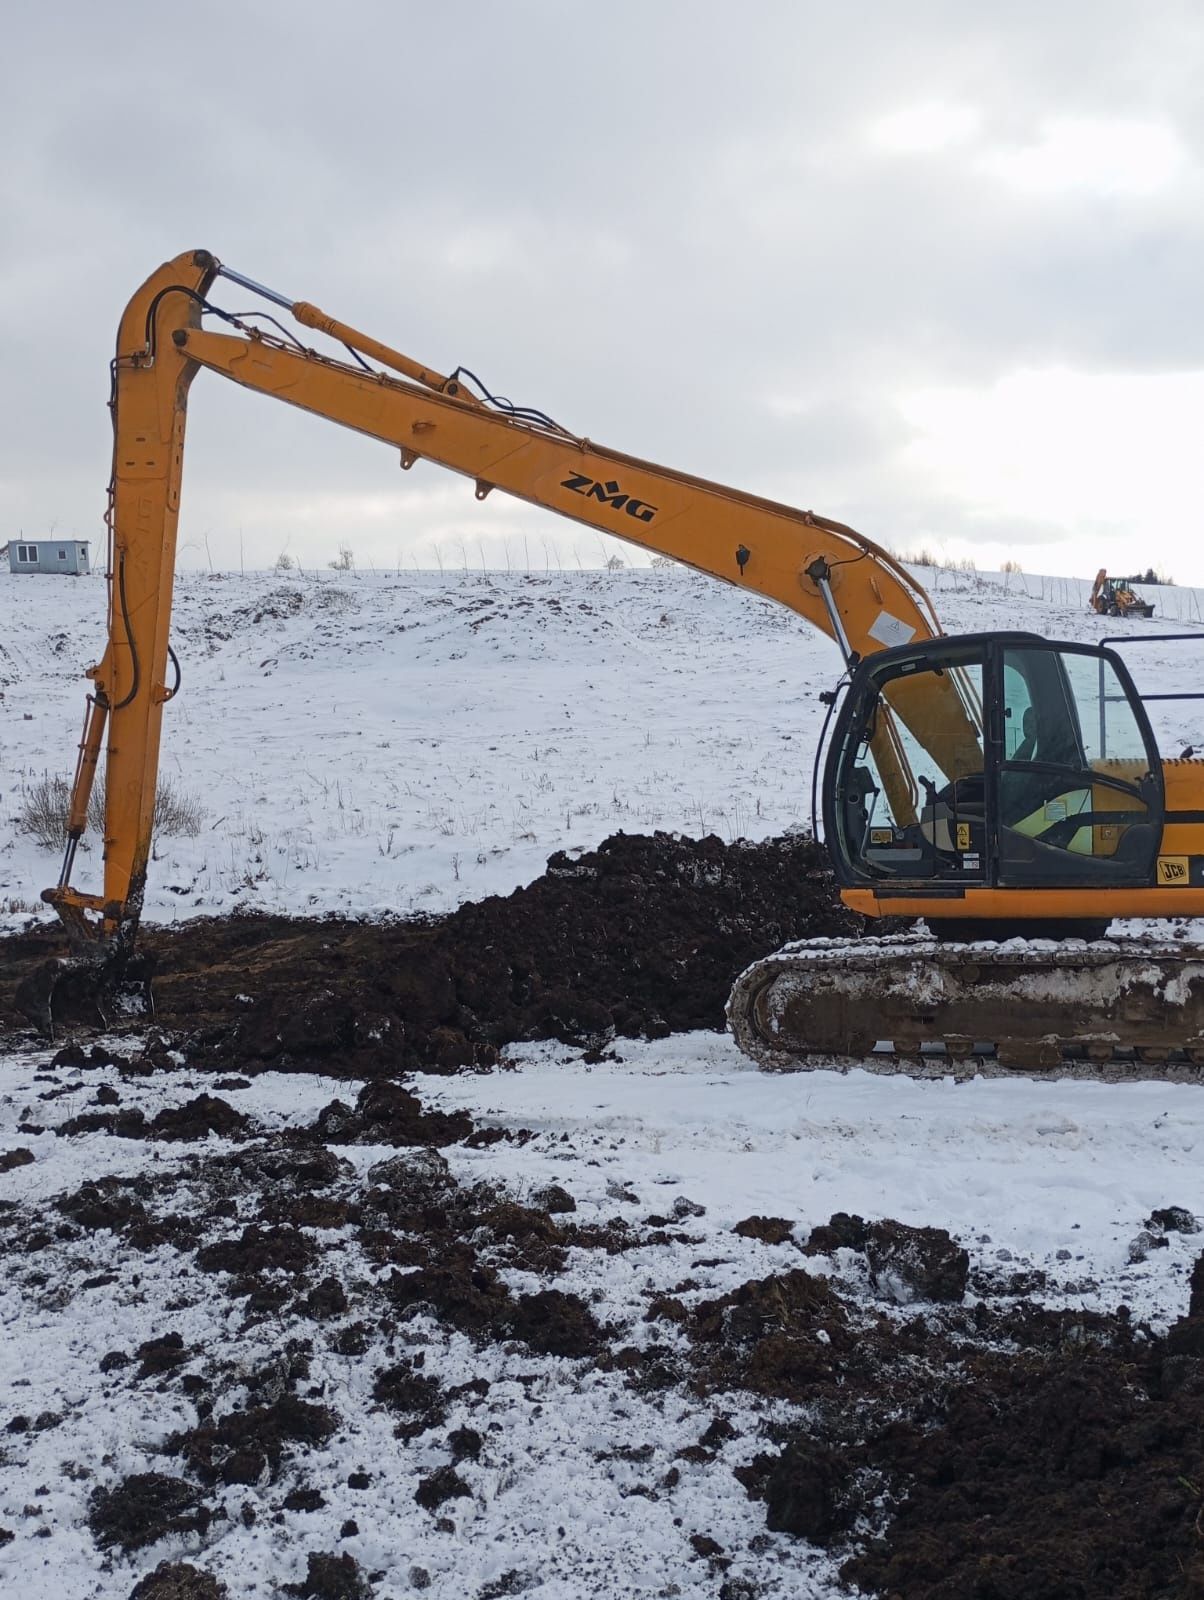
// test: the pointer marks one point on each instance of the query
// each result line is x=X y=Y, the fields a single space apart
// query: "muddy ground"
x=641 y=937
x=952 y=1438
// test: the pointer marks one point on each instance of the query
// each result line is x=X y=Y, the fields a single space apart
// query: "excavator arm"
x=841 y=582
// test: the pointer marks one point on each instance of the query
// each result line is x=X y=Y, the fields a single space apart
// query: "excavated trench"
x=978 y=1445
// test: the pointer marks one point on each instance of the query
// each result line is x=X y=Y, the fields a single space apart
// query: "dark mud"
x=179 y=1580
x=248 y=1445
x=641 y=937
x=331 y=1577
x=1018 y=1452
x=144 y=1508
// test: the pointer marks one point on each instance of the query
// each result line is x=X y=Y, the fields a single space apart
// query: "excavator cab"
x=993 y=761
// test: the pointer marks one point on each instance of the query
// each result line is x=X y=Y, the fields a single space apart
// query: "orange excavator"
x=1003 y=787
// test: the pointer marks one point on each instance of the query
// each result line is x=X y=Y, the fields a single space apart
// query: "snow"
x=391 y=744
x=1051 y=1175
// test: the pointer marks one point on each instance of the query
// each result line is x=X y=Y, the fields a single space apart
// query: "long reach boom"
x=840 y=581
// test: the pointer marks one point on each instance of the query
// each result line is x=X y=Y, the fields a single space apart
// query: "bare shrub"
x=46 y=801
x=43 y=811
x=1012 y=567
x=345 y=561
x=177 y=813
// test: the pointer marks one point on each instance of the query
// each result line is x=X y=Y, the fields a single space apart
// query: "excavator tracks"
x=913 y=1006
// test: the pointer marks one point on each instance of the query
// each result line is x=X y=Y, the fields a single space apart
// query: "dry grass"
x=45 y=803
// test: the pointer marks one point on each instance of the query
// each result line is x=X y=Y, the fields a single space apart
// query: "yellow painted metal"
x=151 y=376
x=1038 y=905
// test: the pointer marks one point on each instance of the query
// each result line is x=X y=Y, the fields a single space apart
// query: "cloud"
x=731 y=246
x=925 y=129
x=1113 y=156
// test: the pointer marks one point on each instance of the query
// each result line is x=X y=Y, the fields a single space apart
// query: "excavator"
x=1004 y=788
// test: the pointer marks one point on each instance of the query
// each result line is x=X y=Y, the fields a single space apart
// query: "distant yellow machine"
x=1114 y=597
x=993 y=784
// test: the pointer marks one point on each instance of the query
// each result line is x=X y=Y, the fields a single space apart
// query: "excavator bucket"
x=91 y=989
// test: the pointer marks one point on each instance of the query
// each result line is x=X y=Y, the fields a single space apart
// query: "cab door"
x=1078 y=790
x=906 y=787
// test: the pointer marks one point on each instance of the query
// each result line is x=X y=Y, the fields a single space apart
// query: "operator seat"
x=1028 y=740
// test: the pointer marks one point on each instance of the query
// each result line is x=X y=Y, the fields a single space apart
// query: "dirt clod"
x=806 y=1495
x=331 y=1577
x=387 y=1113
x=1172 y=1219
x=245 y=1444
x=259 y=1250
x=105 y=1204
x=143 y=1508
x=444 y=1484
x=178 y=1580
x=908 y=1264
x=162 y=1355
x=199 y=1117
x=304 y=1500
x=770 y=1230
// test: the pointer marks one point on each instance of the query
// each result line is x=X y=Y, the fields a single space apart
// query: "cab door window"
x=1078 y=801
x=911 y=798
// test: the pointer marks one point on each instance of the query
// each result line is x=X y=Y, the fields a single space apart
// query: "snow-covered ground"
x=397 y=744
x=1053 y=1177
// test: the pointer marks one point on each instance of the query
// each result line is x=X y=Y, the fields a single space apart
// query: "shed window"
x=62 y=555
x=28 y=553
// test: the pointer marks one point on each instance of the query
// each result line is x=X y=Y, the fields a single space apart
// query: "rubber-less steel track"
x=909 y=1005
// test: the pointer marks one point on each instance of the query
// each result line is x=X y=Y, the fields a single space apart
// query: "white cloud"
x=1087 y=452
x=926 y=128
x=1099 y=155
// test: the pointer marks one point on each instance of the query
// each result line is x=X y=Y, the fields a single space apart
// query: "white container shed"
x=48 y=555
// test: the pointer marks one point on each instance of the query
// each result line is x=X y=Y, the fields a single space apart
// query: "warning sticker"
x=890 y=631
x=1173 y=870
x=963 y=836
x=881 y=836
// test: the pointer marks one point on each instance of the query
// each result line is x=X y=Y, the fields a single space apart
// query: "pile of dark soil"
x=641 y=937
x=1016 y=1451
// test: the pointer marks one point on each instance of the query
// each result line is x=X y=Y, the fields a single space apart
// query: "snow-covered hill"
x=397 y=744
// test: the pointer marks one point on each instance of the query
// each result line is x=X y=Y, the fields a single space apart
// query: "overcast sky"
x=933 y=269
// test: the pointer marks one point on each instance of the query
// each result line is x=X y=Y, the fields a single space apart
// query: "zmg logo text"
x=609 y=494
